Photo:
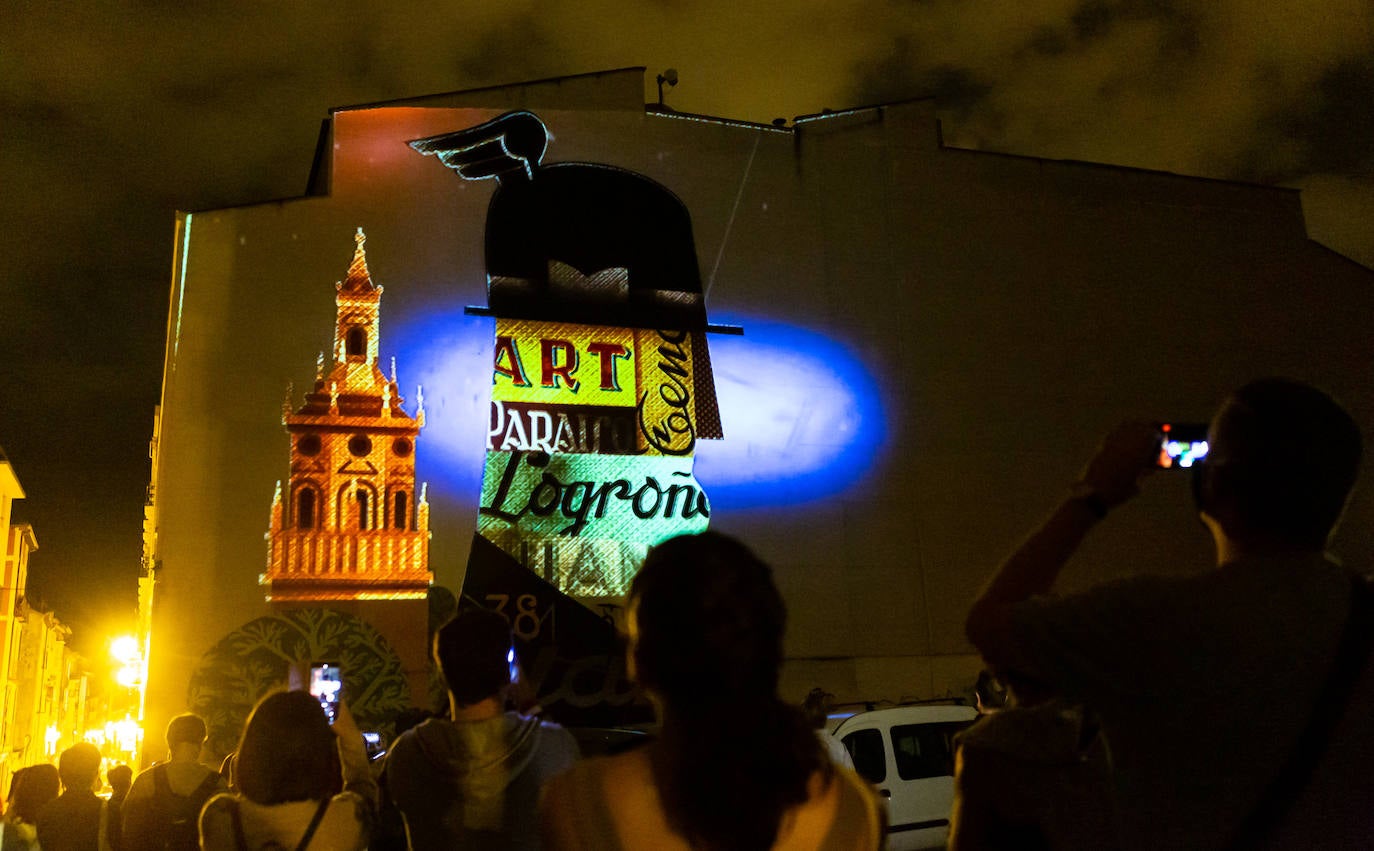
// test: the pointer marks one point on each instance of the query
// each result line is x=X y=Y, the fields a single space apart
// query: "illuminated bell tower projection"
x=601 y=378
x=350 y=524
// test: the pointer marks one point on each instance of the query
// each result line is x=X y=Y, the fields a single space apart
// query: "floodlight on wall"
x=670 y=77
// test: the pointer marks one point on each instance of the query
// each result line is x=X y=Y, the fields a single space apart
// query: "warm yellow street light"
x=125 y=649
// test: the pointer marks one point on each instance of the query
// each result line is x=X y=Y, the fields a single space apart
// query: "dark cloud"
x=888 y=78
x=1092 y=20
x=518 y=48
x=1177 y=29
x=238 y=87
x=1048 y=41
x=119 y=112
x=899 y=76
x=1336 y=128
x=957 y=90
x=1327 y=127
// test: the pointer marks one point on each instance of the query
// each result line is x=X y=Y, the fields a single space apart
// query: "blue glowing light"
x=801 y=412
x=449 y=354
x=802 y=417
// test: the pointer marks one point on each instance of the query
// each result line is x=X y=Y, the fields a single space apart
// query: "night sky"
x=117 y=114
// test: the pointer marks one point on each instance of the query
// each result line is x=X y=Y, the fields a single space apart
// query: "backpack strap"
x=103 y=837
x=314 y=823
x=207 y=787
x=1357 y=641
x=237 y=818
x=160 y=785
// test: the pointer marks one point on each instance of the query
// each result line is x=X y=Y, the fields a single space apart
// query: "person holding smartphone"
x=301 y=782
x=1206 y=682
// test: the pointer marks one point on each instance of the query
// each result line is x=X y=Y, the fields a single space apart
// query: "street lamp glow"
x=125 y=649
x=130 y=676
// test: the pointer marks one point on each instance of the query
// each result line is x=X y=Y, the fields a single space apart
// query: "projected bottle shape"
x=601 y=377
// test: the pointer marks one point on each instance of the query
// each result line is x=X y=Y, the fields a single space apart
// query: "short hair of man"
x=472 y=652
x=79 y=766
x=990 y=691
x=1285 y=456
x=186 y=728
x=120 y=777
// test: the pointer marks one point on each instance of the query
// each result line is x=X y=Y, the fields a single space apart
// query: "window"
x=399 y=510
x=305 y=509
x=364 y=510
x=866 y=749
x=925 y=750
x=356 y=342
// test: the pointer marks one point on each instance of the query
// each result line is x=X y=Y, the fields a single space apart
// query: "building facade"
x=933 y=339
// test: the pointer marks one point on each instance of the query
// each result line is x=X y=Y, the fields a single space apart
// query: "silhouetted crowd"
x=1183 y=709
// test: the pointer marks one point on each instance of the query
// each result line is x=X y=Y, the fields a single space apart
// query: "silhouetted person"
x=1204 y=682
x=989 y=693
x=473 y=780
x=389 y=834
x=120 y=777
x=163 y=805
x=30 y=789
x=300 y=782
x=816 y=708
x=734 y=766
x=72 y=822
x=1031 y=773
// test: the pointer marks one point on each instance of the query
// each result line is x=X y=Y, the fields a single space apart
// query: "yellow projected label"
x=667 y=395
x=559 y=363
x=540 y=369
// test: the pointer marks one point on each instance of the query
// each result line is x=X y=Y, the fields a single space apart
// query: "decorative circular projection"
x=402 y=447
x=309 y=445
x=359 y=445
x=254 y=659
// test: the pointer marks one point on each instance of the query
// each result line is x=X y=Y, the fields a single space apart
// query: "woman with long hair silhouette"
x=734 y=767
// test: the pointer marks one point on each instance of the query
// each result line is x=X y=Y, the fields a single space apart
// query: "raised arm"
x=357 y=770
x=1111 y=478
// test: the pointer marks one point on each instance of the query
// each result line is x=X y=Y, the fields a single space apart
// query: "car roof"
x=916 y=713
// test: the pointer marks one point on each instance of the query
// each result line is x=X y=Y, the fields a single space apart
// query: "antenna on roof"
x=670 y=77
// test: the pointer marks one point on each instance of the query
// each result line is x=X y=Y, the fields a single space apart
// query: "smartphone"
x=326 y=684
x=373 y=742
x=1181 y=445
x=513 y=664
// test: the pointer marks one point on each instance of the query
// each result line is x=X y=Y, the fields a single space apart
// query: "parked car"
x=907 y=753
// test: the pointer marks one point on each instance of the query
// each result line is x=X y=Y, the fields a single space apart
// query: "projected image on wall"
x=601 y=388
x=601 y=375
x=350 y=524
x=590 y=450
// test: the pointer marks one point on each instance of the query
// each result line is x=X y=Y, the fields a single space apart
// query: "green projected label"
x=639 y=500
x=589 y=448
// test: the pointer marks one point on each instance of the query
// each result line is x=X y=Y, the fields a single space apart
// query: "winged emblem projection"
x=601 y=388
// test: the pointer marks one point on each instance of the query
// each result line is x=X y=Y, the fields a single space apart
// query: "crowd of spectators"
x=1217 y=709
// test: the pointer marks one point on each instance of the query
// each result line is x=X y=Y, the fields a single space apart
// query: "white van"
x=907 y=752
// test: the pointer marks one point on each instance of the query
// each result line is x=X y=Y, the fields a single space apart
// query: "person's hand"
x=1126 y=456
x=344 y=724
